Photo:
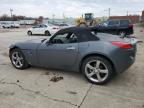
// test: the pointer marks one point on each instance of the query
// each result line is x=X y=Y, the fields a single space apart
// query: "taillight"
x=122 y=45
x=130 y=25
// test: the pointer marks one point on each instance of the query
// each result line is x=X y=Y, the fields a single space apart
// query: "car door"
x=103 y=27
x=113 y=26
x=35 y=29
x=42 y=29
x=59 y=52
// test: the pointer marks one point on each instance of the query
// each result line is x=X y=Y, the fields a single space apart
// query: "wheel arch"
x=29 y=31
x=13 y=47
x=99 y=55
x=79 y=25
x=47 y=31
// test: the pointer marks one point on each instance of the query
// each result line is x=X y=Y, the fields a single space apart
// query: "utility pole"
x=109 y=12
x=127 y=13
x=53 y=17
x=64 y=18
x=11 y=10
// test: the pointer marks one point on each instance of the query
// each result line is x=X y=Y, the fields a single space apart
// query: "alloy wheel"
x=96 y=71
x=29 y=33
x=17 y=59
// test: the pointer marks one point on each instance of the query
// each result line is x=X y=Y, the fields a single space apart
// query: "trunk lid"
x=115 y=38
x=111 y=38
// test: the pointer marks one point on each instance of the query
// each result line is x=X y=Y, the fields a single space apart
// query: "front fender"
x=12 y=47
x=29 y=51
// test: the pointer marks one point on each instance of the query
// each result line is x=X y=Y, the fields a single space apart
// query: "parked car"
x=1 y=26
x=43 y=29
x=97 y=56
x=15 y=25
x=116 y=27
x=63 y=25
x=6 y=25
x=10 y=25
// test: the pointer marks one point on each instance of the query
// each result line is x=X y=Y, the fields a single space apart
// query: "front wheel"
x=18 y=60
x=97 y=70
x=29 y=33
x=47 y=33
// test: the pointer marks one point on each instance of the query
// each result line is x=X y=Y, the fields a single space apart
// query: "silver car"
x=98 y=56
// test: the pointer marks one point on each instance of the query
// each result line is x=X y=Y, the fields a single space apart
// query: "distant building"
x=133 y=18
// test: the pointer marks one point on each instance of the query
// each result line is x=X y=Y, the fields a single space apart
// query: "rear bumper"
x=123 y=59
x=130 y=61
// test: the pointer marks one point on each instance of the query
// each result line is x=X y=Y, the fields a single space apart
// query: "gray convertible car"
x=97 y=55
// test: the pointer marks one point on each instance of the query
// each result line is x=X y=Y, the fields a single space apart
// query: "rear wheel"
x=18 y=60
x=97 y=70
x=82 y=25
x=47 y=33
x=29 y=33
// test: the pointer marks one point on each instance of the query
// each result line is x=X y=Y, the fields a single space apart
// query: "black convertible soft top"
x=83 y=33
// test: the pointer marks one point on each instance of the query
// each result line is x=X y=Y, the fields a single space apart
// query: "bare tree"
x=39 y=20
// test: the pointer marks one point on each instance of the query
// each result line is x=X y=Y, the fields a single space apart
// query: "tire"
x=29 y=33
x=97 y=70
x=18 y=59
x=47 y=33
x=82 y=25
x=122 y=33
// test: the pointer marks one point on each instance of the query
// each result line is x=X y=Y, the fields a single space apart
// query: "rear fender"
x=96 y=54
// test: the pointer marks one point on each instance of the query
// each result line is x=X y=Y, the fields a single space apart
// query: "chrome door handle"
x=70 y=48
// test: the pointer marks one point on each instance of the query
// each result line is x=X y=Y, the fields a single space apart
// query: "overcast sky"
x=71 y=8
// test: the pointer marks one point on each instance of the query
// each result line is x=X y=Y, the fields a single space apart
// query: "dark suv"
x=116 y=27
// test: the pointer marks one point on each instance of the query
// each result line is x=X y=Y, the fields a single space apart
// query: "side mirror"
x=43 y=40
x=49 y=42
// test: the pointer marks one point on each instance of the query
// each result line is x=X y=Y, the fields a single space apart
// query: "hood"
x=34 y=40
x=30 y=44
